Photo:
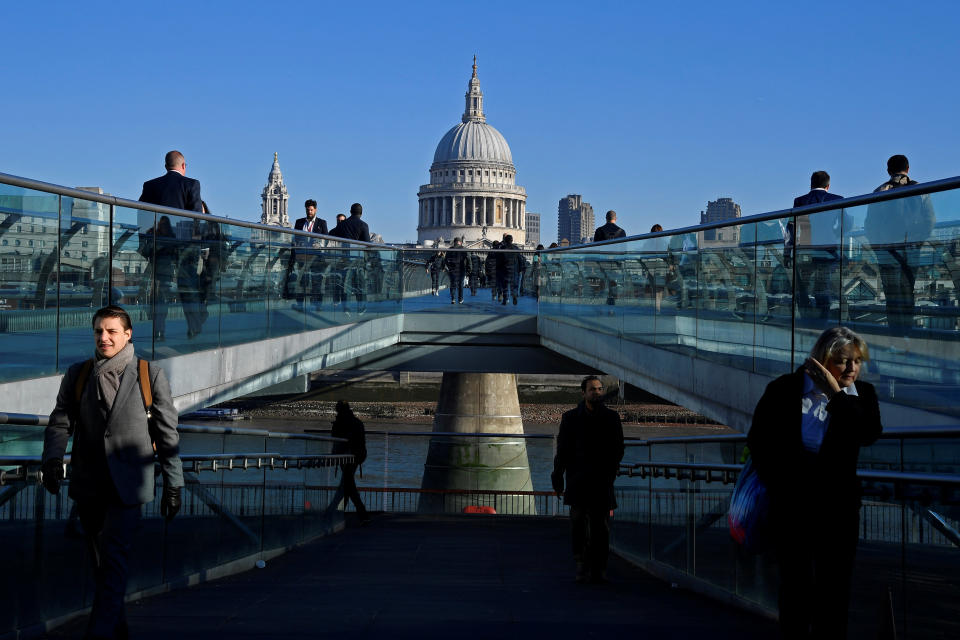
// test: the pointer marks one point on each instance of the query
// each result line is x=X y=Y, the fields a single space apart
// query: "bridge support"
x=477 y=403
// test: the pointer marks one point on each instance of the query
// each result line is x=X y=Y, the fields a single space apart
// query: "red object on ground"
x=473 y=508
x=306 y=506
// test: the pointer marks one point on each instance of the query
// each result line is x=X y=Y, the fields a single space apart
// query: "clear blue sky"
x=651 y=109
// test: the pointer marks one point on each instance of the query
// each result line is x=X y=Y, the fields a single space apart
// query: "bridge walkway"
x=435 y=577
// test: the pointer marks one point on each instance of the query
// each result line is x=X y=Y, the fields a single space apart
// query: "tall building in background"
x=473 y=192
x=574 y=220
x=275 y=198
x=717 y=211
x=533 y=228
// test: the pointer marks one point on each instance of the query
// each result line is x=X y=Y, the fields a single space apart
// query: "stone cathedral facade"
x=472 y=192
x=275 y=198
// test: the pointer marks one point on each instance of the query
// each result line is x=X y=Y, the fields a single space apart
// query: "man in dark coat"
x=173 y=189
x=813 y=273
x=350 y=428
x=101 y=405
x=356 y=229
x=490 y=269
x=457 y=265
x=510 y=266
x=610 y=230
x=589 y=450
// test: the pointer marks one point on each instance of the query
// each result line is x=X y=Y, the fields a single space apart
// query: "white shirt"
x=816 y=418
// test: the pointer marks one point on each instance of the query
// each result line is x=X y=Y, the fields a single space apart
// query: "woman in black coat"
x=805 y=439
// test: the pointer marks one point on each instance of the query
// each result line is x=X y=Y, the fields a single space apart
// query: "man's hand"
x=170 y=502
x=51 y=475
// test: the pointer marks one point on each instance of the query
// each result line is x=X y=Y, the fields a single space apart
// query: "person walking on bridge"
x=119 y=410
x=589 y=450
x=349 y=427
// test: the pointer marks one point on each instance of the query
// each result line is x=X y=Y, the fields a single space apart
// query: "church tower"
x=275 y=198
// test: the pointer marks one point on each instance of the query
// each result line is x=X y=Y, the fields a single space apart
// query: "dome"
x=473 y=141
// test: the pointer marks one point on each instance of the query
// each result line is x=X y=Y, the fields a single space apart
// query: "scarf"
x=108 y=371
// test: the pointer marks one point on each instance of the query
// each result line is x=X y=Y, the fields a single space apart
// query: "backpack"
x=143 y=368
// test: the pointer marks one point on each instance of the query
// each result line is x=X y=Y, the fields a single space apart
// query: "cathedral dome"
x=473 y=141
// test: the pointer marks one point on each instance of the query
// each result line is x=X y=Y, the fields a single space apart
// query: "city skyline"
x=701 y=102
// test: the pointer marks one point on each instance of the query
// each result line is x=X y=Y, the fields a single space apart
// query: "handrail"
x=449 y=433
x=887 y=434
x=934 y=186
x=37 y=185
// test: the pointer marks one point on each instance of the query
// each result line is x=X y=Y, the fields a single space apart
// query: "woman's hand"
x=822 y=378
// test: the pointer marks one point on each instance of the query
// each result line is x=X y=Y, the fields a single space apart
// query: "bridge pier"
x=477 y=403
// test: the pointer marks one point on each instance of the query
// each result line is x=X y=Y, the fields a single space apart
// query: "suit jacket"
x=319 y=226
x=794 y=476
x=116 y=447
x=173 y=190
x=355 y=229
x=814 y=197
x=608 y=231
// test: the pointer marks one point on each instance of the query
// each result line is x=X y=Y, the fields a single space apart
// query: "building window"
x=29 y=243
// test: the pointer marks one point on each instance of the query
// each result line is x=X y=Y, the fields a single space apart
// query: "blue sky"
x=651 y=109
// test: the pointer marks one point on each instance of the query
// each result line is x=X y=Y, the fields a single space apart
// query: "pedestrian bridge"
x=703 y=316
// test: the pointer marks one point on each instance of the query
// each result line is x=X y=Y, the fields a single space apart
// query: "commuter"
x=807 y=459
x=610 y=230
x=896 y=230
x=305 y=256
x=490 y=269
x=510 y=268
x=656 y=228
x=457 y=266
x=475 y=271
x=536 y=273
x=356 y=229
x=589 y=450
x=173 y=189
x=433 y=265
x=350 y=428
x=189 y=270
x=159 y=247
x=101 y=403
x=812 y=283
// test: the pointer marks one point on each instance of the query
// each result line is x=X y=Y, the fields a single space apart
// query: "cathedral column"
x=446 y=212
x=508 y=219
x=523 y=214
x=435 y=215
x=484 y=209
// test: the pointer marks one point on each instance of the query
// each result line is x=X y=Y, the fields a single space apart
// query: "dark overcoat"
x=589 y=450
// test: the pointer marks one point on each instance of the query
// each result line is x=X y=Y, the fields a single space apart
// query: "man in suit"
x=101 y=405
x=356 y=229
x=173 y=189
x=820 y=230
x=310 y=263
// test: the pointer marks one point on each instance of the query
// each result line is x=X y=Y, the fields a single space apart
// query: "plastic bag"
x=749 y=511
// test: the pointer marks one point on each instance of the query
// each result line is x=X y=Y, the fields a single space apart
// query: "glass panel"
x=143 y=272
x=677 y=321
x=725 y=320
x=243 y=312
x=28 y=270
x=85 y=248
x=774 y=297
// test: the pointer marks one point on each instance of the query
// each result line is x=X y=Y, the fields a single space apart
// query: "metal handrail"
x=37 y=185
x=922 y=188
x=528 y=436
x=887 y=434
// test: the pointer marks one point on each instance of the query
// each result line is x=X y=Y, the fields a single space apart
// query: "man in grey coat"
x=112 y=460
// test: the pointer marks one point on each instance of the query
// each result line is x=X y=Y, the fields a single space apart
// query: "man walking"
x=173 y=189
x=819 y=191
x=896 y=230
x=589 y=450
x=105 y=403
x=510 y=266
x=610 y=230
x=812 y=278
x=457 y=265
x=354 y=228
x=309 y=262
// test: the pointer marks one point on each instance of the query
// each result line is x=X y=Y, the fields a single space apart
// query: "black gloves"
x=51 y=474
x=170 y=502
x=556 y=479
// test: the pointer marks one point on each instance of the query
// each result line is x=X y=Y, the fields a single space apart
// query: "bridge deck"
x=425 y=577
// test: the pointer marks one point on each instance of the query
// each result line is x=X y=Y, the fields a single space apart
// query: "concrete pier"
x=477 y=403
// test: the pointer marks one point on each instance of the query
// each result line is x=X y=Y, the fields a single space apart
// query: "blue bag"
x=749 y=511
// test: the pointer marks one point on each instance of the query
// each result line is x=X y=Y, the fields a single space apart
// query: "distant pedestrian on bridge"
x=609 y=231
x=807 y=460
x=457 y=264
x=117 y=420
x=589 y=450
x=349 y=427
x=174 y=189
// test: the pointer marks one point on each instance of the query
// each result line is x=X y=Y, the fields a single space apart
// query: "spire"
x=275 y=161
x=474 y=99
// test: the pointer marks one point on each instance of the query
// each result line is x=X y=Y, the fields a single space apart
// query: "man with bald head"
x=173 y=189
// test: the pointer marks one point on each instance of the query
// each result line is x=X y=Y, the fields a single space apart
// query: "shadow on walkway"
x=409 y=576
